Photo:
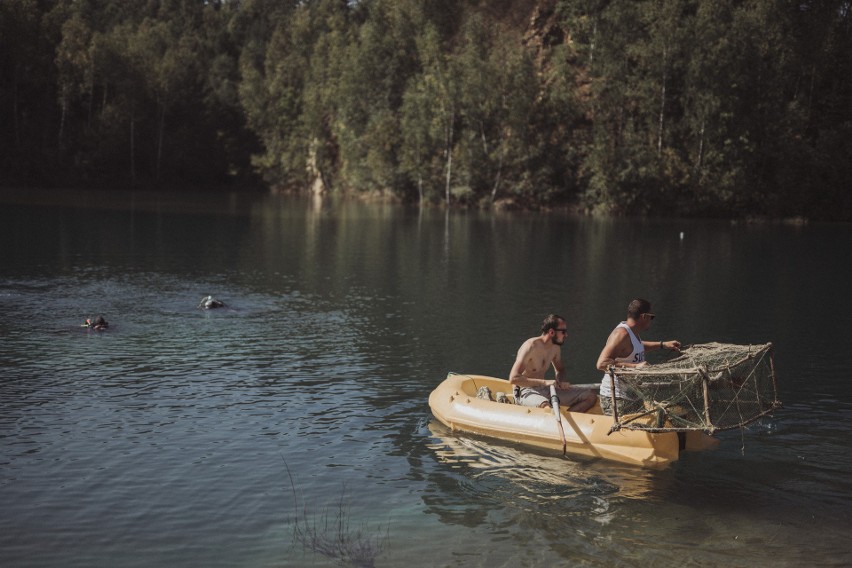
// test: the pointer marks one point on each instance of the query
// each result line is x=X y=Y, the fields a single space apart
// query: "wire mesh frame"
x=702 y=390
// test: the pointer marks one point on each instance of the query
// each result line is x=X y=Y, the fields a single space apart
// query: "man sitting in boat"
x=534 y=357
x=624 y=349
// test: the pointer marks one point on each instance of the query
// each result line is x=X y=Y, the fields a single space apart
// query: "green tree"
x=419 y=145
x=27 y=90
x=714 y=74
x=380 y=58
x=498 y=88
x=441 y=85
x=74 y=68
x=271 y=94
x=665 y=106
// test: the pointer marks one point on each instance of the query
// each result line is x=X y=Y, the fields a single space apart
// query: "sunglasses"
x=562 y=330
x=652 y=316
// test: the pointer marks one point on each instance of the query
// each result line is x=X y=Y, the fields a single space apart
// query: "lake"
x=185 y=437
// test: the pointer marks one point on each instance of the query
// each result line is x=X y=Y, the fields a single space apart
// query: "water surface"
x=185 y=437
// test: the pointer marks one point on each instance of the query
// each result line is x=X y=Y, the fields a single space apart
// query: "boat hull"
x=455 y=404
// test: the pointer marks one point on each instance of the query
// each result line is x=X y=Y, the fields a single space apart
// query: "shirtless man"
x=534 y=357
x=625 y=349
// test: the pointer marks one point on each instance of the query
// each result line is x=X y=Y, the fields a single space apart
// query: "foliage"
x=683 y=107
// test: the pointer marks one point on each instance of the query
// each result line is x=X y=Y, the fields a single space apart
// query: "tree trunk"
x=700 y=159
x=662 y=103
x=91 y=98
x=15 y=122
x=161 y=128
x=592 y=43
x=63 y=108
x=499 y=174
x=449 y=157
x=132 y=149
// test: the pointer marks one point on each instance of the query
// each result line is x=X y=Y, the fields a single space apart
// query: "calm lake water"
x=183 y=438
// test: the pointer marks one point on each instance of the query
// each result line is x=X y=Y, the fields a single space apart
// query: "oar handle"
x=554 y=402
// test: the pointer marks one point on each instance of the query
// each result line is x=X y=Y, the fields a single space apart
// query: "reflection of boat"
x=535 y=475
x=454 y=402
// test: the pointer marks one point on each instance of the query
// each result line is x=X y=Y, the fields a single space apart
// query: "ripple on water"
x=167 y=439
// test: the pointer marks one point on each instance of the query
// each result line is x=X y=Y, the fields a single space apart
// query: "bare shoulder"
x=527 y=346
x=618 y=334
x=619 y=342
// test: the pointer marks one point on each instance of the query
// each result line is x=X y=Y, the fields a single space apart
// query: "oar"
x=554 y=402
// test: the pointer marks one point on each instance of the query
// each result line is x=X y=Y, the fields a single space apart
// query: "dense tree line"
x=692 y=107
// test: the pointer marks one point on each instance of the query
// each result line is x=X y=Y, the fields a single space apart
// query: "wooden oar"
x=554 y=402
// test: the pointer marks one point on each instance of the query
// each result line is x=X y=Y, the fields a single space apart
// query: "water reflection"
x=534 y=476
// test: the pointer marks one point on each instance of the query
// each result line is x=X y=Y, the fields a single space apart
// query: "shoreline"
x=22 y=195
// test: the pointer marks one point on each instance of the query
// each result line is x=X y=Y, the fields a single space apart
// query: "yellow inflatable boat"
x=455 y=403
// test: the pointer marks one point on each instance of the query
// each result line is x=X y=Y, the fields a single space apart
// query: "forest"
x=696 y=108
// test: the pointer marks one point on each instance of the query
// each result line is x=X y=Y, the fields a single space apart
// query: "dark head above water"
x=97 y=323
x=209 y=302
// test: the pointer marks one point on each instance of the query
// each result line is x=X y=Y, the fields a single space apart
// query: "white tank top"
x=636 y=356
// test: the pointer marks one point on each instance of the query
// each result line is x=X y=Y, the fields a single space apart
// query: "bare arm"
x=671 y=344
x=516 y=375
x=559 y=368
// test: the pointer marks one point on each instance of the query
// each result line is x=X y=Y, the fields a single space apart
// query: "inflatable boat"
x=469 y=403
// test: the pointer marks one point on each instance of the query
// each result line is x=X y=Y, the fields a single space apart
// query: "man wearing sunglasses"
x=625 y=349
x=535 y=355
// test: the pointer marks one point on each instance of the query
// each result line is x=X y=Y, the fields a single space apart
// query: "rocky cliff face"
x=543 y=31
